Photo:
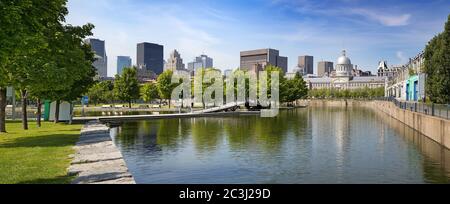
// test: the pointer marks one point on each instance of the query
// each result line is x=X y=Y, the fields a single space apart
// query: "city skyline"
x=371 y=31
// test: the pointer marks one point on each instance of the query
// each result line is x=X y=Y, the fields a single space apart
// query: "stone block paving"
x=97 y=160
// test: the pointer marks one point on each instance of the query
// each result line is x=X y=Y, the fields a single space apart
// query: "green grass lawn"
x=39 y=155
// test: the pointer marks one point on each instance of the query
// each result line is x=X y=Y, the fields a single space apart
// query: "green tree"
x=70 y=72
x=200 y=77
x=108 y=96
x=22 y=28
x=101 y=92
x=149 y=92
x=165 y=85
x=437 y=66
x=295 y=89
x=126 y=86
x=37 y=48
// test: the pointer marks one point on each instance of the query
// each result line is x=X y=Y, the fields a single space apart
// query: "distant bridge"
x=229 y=106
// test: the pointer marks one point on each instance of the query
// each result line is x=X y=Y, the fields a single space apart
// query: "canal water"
x=310 y=145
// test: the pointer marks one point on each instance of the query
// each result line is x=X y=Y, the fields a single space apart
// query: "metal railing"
x=433 y=109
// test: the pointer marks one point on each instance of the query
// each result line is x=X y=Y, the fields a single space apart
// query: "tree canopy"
x=149 y=92
x=437 y=66
x=126 y=86
x=294 y=89
x=101 y=92
x=40 y=54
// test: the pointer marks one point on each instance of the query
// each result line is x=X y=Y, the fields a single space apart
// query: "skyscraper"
x=256 y=60
x=202 y=61
x=324 y=68
x=101 y=59
x=175 y=62
x=123 y=62
x=206 y=61
x=306 y=63
x=150 y=56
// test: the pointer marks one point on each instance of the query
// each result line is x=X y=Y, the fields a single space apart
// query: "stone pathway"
x=97 y=160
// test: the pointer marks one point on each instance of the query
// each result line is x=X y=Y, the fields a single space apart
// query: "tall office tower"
x=257 y=60
x=174 y=62
x=192 y=66
x=123 y=62
x=101 y=59
x=228 y=72
x=324 y=68
x=306 y=63
x=206 y=61
x=150 y=56
x=202 y=61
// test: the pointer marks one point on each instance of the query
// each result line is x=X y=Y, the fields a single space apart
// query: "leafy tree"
x=165 y=86
x=101 y=92
x=294 y=89
x=95 y=93
x=149 y=92
x=437 y=66
x=126 y=86
x=32 y=35
x=269 y=69
x=14 y=34
x=200 y=74
x=69 y=72
x=360 y=93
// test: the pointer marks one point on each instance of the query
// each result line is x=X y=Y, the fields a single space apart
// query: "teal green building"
x=412 y=88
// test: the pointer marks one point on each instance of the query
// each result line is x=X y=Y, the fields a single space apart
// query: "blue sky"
x=369 y=30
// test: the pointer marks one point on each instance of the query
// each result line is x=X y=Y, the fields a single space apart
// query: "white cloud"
x=401 y=57
x=189 y=33
x=384 y=19
x=221 y=33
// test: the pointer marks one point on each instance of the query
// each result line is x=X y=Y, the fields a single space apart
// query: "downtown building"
x=175 y=62
x=306 y=63
x=257 y=60
x=200 y=62
x=405 y=82
x=150 y=59
x=343 y=78
x=123 y=62
x=101 y=59
x=325 y=68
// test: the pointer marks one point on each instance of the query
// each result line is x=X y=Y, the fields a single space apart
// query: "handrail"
x=433 y=109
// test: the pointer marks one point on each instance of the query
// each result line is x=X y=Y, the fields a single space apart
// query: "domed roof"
x=344 y=59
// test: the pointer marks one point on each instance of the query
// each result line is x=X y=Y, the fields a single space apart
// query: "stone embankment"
x=438 y=129
x=435 y=128
x=97 y=160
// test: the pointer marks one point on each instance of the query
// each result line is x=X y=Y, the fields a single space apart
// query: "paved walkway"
x=97 y=160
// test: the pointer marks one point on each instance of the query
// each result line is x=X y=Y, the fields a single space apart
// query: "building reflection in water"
x=312 y=145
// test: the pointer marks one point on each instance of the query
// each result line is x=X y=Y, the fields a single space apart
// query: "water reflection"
x=436 y=163
x=313 y=145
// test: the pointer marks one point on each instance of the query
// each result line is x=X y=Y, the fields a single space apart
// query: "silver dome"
x=344 y=59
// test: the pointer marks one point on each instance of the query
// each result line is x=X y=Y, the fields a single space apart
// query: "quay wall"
x=437 y=129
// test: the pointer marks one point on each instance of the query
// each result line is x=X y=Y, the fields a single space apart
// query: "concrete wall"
x=435 y=128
